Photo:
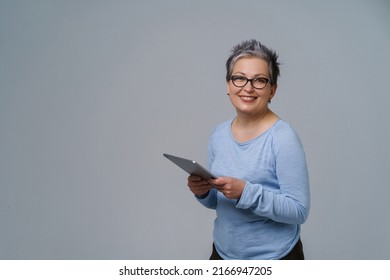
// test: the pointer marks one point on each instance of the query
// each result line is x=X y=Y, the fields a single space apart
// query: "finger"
x=222 y=186
x=214 y=181
x=219 y=181
x=194 y=178
x=202 y=188
x=199 y=190
x=199 y=184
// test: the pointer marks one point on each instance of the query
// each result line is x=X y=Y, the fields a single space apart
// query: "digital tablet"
x=191 y=167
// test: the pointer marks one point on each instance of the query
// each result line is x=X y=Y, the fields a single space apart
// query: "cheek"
x=231 y=88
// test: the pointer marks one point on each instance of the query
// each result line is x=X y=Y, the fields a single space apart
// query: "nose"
x=248 y=87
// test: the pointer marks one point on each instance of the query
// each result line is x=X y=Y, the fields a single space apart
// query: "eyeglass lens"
x=258 y=83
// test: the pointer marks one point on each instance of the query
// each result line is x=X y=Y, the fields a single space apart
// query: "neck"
x=249 y=120
x=245 y=128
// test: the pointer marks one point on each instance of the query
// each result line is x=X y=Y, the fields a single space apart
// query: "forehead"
x=250 y=65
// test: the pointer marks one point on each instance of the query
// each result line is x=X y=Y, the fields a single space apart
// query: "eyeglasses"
x=257 y=83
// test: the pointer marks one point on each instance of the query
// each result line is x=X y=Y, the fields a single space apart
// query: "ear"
x=273 y=91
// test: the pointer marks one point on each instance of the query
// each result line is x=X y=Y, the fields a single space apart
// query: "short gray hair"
x=253 y=48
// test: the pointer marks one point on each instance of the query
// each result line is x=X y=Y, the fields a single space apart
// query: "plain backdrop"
x=92 y=93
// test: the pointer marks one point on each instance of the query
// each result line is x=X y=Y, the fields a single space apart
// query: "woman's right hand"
x=198 y=185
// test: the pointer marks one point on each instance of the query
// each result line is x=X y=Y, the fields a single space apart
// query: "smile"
x=248 y=98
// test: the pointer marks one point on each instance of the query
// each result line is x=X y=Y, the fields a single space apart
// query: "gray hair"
x=253 y=48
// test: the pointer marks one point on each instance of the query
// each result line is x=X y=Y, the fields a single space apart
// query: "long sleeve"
x=291 y=202
x=210 y=201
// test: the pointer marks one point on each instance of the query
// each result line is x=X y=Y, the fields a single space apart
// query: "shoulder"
x=285 y=135
x=220 y=134
x=283 y=128
x=222 y=127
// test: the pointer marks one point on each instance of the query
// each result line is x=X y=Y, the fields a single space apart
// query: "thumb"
x=218 y=181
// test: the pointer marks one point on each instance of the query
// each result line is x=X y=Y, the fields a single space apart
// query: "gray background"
x=93 y=92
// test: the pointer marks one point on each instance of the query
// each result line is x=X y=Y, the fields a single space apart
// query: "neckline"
x=253 y=139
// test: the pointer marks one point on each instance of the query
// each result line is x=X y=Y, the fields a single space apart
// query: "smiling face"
x=247 y=100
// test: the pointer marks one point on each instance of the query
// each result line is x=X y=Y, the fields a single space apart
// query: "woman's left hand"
x=230 y=187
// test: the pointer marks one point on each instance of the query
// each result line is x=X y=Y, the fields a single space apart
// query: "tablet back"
x=190 y=166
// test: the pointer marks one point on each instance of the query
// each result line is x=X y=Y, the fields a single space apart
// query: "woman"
x=261 y=196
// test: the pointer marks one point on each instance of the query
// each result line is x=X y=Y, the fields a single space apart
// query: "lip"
x=248 y=99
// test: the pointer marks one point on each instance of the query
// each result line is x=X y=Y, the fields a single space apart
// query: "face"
x=247 y=99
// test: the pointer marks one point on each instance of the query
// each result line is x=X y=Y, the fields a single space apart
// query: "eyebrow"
x=256 y=76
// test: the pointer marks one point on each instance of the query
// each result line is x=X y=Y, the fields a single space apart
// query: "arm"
x=209 y=200
x=291 y=204
x=203 y=191
x=209 y=197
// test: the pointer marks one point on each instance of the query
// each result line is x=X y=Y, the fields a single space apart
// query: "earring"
x=269 y=101
x=227 y=93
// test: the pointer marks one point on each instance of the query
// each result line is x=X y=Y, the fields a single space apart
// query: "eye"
x=239 y=79
x=261 y=80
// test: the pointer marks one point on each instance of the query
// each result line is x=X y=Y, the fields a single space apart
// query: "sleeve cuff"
x=249 y=196
x=202 y=196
